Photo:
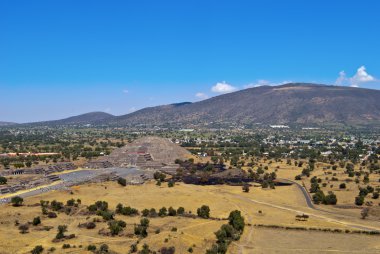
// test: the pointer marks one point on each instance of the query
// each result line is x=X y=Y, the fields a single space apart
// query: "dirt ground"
x=268 y=207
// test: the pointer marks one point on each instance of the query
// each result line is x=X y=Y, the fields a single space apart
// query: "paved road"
x=309 y=202
x=78 y=177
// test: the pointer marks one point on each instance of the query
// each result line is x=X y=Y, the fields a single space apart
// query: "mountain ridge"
x=291 y=103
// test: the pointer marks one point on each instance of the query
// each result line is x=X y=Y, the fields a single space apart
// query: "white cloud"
x=263 y=82
x=223 y=87
x=361 y=76
x=201 y=96
x=133 y=109
x=125 y=91
x=342 y=79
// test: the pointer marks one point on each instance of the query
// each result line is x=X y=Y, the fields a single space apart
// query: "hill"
x=6 y=123
x=88 y=118
x=290 y=103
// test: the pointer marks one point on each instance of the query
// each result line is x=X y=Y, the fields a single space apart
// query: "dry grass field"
x=259 y=206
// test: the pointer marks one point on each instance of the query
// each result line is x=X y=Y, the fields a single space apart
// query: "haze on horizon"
x=59 y=59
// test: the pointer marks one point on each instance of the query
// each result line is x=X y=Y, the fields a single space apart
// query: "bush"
x=106 y=215
x=141 y=231
x=52 y=215
x=37 y=250
x=159 y=176
x=172 y=211
x=3 y=180
x=17 y=201
x=103 y=248
x=342 y=186
x=98 y=206
x=144 y=222
x=236 y=220
x=180 y=210
x=359 y=200
x=66 y=246
x=145 y=212
x=91 y=247
x=167 y=250
x=122 y=181
x=36 y=221
x=23 y=228
x=330 y=199
x=116 y=227
x=61 y=231
x=163 y=212
x=133 y=248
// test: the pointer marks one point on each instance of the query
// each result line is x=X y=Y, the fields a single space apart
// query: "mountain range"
x=293 y=103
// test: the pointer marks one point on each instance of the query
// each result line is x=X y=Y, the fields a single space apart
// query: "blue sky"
x=63 y=58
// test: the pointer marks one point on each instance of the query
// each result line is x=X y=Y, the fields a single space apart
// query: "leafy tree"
x=330 y=199
x=122 y=181
x=17 y=201
x=61 y=231
x=204 y=212
x=236 y=220
x=37 y=250
x=245 y=188
x=162 y=212
x=359 y=200
x=91 y=247
x=3 y=180
x=104 y=248
x=364 y=212
x=144 y=222
x=116 y=227
x=180 y=210
x=36 y=221
x=145 y=212
x=172 y=211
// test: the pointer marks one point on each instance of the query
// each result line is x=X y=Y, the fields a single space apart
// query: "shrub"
x=52 y=215
x=236 y=220
x=122 y=181
x=359 y=200
x=116 y=227
x=145 y=212
x=17 y=201
x=172 y=211
x=163 y=212
x=66 y=246
x=36 y=221
x=342 y=186
x=61 y=231
x=180 y=211
x=23 y=228
x=37 y=250
x=91 y=247
x=3 y=180
x=144 y=222
x=103 y=248
x=167 y=250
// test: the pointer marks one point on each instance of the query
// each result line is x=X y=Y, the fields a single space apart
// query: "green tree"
x=204 y=212
x=17 y=201
x=37 y=250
